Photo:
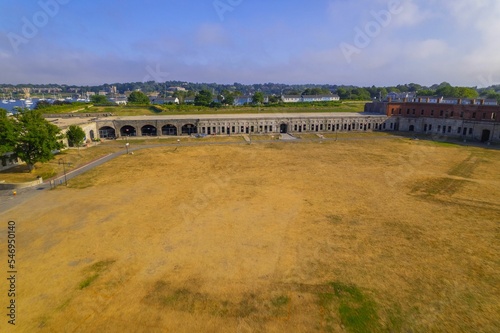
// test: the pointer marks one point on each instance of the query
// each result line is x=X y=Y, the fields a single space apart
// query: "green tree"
x=7 y=133
x=42 y=105
x=426 y=92
x=226 y=97
x=343 y=93
x=465 y=92
x=75 y=136
x=138 y=97
x=491 y=94
x=204 y=98
x=36 y=138
x=316 y=91
x=274 y=99
x=361 y=94
x=258 y=98
x=98 y=99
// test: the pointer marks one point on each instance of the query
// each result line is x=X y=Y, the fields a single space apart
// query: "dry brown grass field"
x=389 y=235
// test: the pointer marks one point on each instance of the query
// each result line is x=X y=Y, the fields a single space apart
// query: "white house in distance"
x=120 y=100
x=291 y=98
x=164 y=100
x=242 y=100
x=309 y=98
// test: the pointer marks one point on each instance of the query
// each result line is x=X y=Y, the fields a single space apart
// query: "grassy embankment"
x=350 y=106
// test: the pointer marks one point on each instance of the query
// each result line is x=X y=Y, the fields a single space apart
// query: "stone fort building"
x=470 y=120
x=238 y=124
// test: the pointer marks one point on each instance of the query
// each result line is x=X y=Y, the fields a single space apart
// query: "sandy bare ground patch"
x=369 y=236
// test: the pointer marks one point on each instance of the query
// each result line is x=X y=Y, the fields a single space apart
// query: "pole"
x=65 y=179
x=64 y=169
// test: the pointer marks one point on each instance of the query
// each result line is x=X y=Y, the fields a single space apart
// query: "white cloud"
x=410 y=14
x=427 y=49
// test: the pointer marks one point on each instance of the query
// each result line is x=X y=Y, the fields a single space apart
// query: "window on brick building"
x=399 y=111
x=470 y=131
x=493 y=116
x=413 y=111
x=484 y=115
x=474 y=115
x=451 y=114
x=432 y=112
x=449 y=129
x=439 y=128
x=422 y=112
x=459 y=130
x=430 y=127
x=461 y=114
x=407 y=111
x=441 y=113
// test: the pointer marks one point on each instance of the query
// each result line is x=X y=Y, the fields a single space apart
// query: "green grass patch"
x=280 y=301
x=88 y=281
x=465 y=168
x=335 y=219
x=66 y=108
x=438 y=186
x=64 y=304
x=137 y=110
x=94 y=271
x=358 y=312
x=101 y=266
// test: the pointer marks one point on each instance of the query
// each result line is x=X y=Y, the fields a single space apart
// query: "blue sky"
x=359 y=42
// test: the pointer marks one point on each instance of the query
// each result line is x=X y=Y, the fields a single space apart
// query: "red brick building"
x=470 y=119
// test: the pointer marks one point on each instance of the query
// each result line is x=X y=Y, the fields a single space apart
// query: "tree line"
x=27 y=135
x=444 y=89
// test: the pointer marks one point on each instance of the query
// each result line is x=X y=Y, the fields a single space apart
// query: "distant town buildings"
x=309 y=98
x=174 y=89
